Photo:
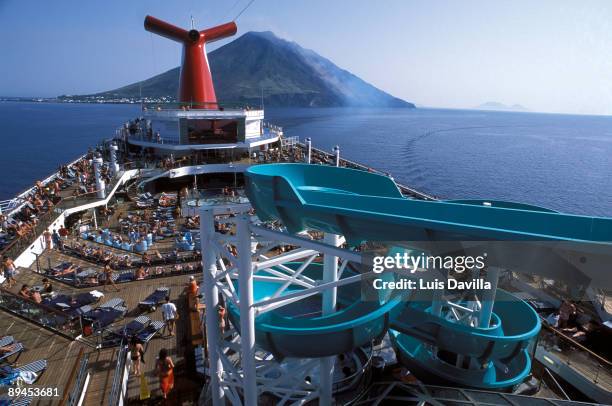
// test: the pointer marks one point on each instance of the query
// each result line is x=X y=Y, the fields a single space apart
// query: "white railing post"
x=308 y=150
x=337 y=153
x=211 y=299
x=247 y=311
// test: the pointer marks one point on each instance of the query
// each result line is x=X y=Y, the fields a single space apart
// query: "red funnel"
x=195 y=85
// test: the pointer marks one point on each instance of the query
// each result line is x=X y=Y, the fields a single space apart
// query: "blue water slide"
x=367 y=206
x=300 y=330
x=364 y=206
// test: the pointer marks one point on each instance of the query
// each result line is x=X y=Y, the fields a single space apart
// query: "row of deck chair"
x=73 y=252
x=104 y=315
x=17 y=349
x=141 y=327
x=72 y=306
x=145 y=200
x=166 y=259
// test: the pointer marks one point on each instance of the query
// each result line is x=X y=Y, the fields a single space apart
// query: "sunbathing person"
x=140 y=273
x=126 y=261
x=158 y=255
x=36 y=297
x=107 y=256
x=66 y=271
x=24 y=292
x=99 y=254
x=47 y=286
x=8 y=348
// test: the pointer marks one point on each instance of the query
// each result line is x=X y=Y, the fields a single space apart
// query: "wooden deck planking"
x=43 y=343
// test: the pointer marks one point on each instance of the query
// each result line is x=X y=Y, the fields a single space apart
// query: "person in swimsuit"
x=165 y=371
x=24 y=292
x=136 y=354
x=108 y=277
x=9 y=271
x=7 y=348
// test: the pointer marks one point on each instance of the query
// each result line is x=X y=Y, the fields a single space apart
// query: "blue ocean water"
x=562 y=162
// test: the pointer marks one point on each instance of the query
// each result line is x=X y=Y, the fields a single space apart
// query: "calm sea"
x=562 y=162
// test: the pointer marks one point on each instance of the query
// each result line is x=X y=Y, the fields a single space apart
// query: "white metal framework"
x=239 y=371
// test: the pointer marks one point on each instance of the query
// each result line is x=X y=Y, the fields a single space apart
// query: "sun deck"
x=63 y=353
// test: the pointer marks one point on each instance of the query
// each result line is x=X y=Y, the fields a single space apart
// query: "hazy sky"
x=553 y=56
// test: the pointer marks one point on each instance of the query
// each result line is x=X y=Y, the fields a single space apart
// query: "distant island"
x=501 y=107
x=261 y=65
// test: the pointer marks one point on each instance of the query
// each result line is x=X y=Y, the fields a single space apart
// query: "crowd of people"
x=43 y=197
x=139 y=225
x=589 y=333
x=39 y=201
x=36 y=294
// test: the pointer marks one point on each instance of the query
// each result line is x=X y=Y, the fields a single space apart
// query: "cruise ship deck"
x=279 y=236
x=65 y=349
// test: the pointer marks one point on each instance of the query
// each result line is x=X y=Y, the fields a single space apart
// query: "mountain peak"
x=262 y=34
x=286 y=74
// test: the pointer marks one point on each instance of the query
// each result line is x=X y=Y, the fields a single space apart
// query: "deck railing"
x=77 y=379
x=7 y=207
x=329 y=159
x=220 y=106
x=39 y=314
x=590 y=365
x=117 y=392
x=20 y=244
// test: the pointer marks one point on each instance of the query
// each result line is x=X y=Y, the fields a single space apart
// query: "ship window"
x=212 y=131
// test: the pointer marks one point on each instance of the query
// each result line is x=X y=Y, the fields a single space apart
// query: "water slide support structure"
x=330 y=275
x=241 y=384
x=247 y=311
x=488 y=300
x=211 y=298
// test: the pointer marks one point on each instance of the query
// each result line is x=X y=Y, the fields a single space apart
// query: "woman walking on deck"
x=136 y=354
x=108 y=277
x=165 y=371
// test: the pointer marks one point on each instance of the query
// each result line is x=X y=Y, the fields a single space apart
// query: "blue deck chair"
x=149 y=332
x=16 y=350
x=130 y=329
x=114 y=302
x=154 y=299
x=101 y=318
x=15 y=401
x=9 y=375
x=6 y=340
